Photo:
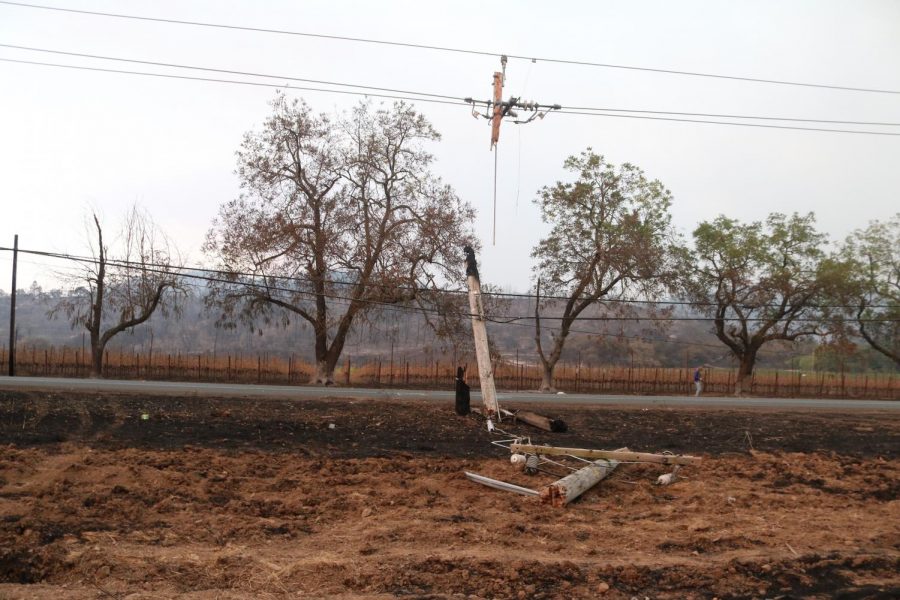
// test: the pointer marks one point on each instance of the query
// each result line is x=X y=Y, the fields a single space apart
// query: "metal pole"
x=12 y=310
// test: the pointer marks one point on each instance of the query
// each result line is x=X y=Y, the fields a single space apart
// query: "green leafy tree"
x=611 y=239
x=865 y=286
x=760 y=282
x=337 y=217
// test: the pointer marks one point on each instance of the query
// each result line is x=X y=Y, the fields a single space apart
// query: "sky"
x=74 y=141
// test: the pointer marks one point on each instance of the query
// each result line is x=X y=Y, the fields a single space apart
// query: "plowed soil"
x=114 y=496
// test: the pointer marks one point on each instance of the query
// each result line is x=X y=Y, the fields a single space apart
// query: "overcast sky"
x=72 y=141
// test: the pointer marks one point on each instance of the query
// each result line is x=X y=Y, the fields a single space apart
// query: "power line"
x=295 y=279
x=726 y=116
x=226 y=71
x=499 y=319
x=393 y=308
x=582 y=63
x=433 y=95
x=730 y=123
x=420 y=99
x=231 y=81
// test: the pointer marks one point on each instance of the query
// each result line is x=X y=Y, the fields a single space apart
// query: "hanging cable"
x=231 y=81
x=444 y=96
x=583 y=63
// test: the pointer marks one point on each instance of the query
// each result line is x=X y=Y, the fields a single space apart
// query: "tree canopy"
x=759 y=281
x=337 y=215
x=865 y=286
x=611 y=238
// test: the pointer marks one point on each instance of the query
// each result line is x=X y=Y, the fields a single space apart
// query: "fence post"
x=12 y=309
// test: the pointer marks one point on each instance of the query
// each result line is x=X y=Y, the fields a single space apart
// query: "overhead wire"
x=342 y=38
x=499 y=319
x=341 y=299
x=729 y=123
x=454 y=99
x=727 y=116
x=431 y=100
x=294 y=278
x=226 y=71
x=232 y=81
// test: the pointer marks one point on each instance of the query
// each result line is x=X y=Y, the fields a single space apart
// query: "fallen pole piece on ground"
x=540 y=421
x=575 y=484
x=620 y=455
x=500 y=485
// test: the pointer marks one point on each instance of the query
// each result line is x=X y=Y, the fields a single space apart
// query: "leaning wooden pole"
x=479 y=331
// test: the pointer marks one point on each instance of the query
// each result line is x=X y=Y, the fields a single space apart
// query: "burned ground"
x=115 y=496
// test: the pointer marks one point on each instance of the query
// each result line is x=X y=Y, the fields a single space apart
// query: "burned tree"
x=338 y=216
x=759 y=282
x=611 y=239
x=122 y=288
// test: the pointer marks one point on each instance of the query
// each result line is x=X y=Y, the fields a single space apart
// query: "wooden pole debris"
x=540 y=421
x=574 y=485
x=500 y=485
x=620 y=455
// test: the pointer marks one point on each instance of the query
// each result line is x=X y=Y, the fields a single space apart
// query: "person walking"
x=698 y=381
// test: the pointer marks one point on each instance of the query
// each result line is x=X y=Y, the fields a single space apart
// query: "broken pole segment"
x=620 y=455
x=541 y=422
x=479 y=331
x=574 y=485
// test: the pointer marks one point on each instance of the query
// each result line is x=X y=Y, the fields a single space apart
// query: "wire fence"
x=263 y=368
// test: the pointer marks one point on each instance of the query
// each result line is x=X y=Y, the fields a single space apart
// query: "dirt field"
x=224 y=498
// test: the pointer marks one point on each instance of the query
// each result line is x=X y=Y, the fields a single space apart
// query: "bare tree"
x=337 y=217
x=611 y=239
x=124 y=288
x=759 y=282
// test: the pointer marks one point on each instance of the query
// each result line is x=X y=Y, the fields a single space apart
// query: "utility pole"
x=12 y=310
x=496 y=110
x=482 y=350
x=499 y=80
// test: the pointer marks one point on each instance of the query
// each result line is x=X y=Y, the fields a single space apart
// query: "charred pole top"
x=471 y=263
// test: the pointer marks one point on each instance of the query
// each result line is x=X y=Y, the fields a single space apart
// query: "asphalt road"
x=301 y=392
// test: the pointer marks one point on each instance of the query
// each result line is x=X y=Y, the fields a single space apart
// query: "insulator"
x=531 y=464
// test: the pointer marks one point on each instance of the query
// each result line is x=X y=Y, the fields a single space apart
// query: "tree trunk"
x=96 y=361
x=547 y=377
x=324 y=374
x=745 y=371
